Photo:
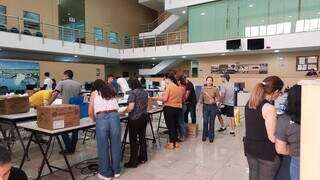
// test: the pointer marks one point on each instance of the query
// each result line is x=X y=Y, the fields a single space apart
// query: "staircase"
x=162 y=67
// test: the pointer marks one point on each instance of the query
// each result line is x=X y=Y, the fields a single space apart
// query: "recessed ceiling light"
x=203 y=13
x=223 y=54
x=183 y=57
x=75 y=56
x=289 y=16
x=262 y=20
x=276 y=51
x=153 y=58
x=281 y=58
x=184 y=12
x=251 y=5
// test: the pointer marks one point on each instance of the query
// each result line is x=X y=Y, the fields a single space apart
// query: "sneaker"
x=222 y=129
x=117 y=175
x=103 y=177
x=233 y=133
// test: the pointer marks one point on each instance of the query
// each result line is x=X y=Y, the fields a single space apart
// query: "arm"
x=129 y=108
x=53 y=97
x=269 y=114
x=164 y=97
x=282 y=147
x=91 y=108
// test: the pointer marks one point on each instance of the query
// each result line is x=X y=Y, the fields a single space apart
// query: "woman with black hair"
x=103 y=109
x=138 y=119
x=288 y=131
x=172 y=99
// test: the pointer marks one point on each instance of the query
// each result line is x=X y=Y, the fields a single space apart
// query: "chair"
x=26 y=32
x=79 y=100
x=14 y=30
x=4 y=90
x=38 y=34
x=3 y=28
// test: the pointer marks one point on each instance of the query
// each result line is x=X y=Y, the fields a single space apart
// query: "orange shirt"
x=174 y=93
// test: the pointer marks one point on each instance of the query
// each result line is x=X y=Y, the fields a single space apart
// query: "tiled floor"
x=195 y=160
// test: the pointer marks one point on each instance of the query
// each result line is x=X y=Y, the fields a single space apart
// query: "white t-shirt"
x=124 y=87
x=228 y=90
x=48 y=82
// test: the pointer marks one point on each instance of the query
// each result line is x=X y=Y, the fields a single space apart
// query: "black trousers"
x=171 y=116
x=137 y=129
x=191 y=108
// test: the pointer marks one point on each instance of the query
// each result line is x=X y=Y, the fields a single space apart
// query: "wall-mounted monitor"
x=255 y=44
x=233 y=44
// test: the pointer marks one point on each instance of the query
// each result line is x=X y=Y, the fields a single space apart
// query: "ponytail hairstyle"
x=267 y=86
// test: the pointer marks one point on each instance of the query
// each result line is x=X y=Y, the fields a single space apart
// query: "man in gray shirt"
x=68 y=88
x=227 y=99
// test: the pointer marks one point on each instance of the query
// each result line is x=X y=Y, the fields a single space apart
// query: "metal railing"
x=23 y=26
x=151 y=26
x=165 y=39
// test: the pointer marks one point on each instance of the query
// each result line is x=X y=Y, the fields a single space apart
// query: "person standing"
x=208 y=97
x=68 y=88
x=260 y=122
x=47 y=83
x=288 y=131
x=103 y=109
x=138 y=119
x=181 y=123
x=227 y=100
x=191 y=103
x=172 y=99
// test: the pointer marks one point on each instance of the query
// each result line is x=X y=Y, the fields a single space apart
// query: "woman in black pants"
x=138 y=119
x=261 y=119
x=172 y=99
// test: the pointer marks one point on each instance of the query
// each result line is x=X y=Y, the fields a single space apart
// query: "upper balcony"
x=171 y=5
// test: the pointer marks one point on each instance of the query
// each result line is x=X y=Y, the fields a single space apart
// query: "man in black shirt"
x=7 y=172
x=191 y=103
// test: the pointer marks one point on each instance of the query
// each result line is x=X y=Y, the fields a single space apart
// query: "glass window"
x=263 y=30
x=314 y=24
x=271 y=29
x=280 y=28
x=287 y=27
x=113 y=37
x=248 y=31
x=255 y=31
x=307 y=25
x=3 y=12
x=98 y=33
x=300 y=26
x=31 y=20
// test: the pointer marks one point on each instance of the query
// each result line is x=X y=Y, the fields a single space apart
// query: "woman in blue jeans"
x=288 y=131
x=208 y=97
x=103 y=109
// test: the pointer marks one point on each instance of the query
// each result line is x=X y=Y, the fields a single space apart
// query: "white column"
x=310 y=128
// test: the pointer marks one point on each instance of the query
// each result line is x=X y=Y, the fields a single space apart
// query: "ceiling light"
x=75 y=56
x=153 y=58
x=184 y=12
x=203 y=13
x=223 y=54
x=251 y=5
x=290 y=16
x=183 y=57
x=318 y=13
x=276 y=51
x=281 y=58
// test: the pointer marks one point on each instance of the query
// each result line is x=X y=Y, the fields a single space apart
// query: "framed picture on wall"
x=306 y=63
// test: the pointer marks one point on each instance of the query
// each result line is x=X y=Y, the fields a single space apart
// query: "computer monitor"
x=155 y=83
x=239 y=86
x=88 y=86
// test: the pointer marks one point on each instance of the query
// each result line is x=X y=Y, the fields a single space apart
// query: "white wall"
x=174 y=4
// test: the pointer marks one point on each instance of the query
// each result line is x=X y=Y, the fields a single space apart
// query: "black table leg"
x=159 y=122
x=44 y=154
x=21 y=141
x=153 y=136
x=25 y=154
x=65 y=157
x=124 y=141
x=85 y=136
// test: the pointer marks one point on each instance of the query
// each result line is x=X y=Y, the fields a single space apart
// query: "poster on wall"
x=16 y=75
x=239 y=68
x=307 y=63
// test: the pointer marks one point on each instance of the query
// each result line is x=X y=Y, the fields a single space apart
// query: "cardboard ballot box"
x=58 y=116
x=14 y=104
x=192 y=130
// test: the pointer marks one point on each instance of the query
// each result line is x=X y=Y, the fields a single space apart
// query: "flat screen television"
x=255 y=44
x=234 y=44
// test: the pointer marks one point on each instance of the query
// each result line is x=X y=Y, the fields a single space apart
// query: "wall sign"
x=306 y=63
x=239 y=68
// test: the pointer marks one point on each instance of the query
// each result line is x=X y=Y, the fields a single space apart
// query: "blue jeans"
x=108 y=132
x=295 y=168
x=209 y=115
x=70 y=143
x=181 y=123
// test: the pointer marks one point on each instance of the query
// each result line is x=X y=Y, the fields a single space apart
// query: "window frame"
x=5 y=15
x=98 y=38
x=27 y=20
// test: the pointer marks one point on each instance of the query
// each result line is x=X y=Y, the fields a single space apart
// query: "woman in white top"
x=103 y=109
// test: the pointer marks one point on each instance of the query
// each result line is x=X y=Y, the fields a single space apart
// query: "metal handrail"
x=148 y=27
